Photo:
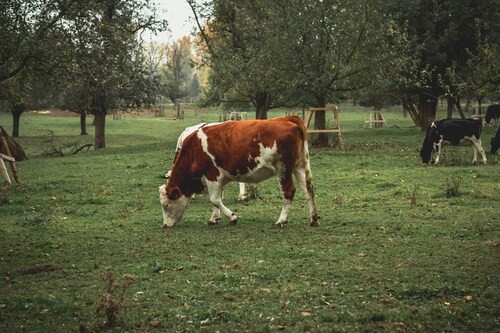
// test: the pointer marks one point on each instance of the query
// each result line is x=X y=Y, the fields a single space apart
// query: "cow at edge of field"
x=453 y=131
x=189 y=130
x=248 y=151
x=495 y=142
x=492 y=112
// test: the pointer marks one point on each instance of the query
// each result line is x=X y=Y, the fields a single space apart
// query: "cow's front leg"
x=215 y=216
x=215 y=195
x=438 y=152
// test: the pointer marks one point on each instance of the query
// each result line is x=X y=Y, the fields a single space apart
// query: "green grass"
x=378 y=262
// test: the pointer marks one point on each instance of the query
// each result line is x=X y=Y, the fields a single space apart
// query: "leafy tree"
x=245 y=54
x=31 y=33
x=108 y=68
x=277 y=53
x=337 y=48
x=177 y=72
x=443 y=40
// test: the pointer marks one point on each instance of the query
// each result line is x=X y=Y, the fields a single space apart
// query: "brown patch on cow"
x=190 y=165
x=237 y=146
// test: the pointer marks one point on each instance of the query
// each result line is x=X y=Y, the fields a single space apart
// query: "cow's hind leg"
x=474 y=152
x=215 y=216
x=477 y=146
x=243 y=194
x=304 y=179
x=288 y=190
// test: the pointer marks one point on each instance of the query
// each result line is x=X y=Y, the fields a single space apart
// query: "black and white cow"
x=495 y=142
x=493 y=112
x=453 y=131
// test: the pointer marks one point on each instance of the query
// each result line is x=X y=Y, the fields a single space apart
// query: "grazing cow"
x=492 y=112
x=189 y=130
x=248 y=151
x=495 y=142
x=453 y=131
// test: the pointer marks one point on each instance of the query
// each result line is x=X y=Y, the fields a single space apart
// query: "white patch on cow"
x=204 y=144
x=266 y=166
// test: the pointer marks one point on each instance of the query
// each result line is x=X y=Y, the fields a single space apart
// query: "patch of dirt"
x=40 y=269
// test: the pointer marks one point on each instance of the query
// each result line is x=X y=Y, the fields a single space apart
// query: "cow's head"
x=173 y=204
x=431 y=139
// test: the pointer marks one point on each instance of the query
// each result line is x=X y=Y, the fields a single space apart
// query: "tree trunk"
x=320 y=122
x=427 y=106
x=177 y=107
x=16 y=110
x=454 y=102
x=262 y=104
x=449 y=108
x=83 y=123
x=459 y=107
x=99 y=123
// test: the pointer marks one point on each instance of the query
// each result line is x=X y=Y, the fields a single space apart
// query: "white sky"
x=180 y=20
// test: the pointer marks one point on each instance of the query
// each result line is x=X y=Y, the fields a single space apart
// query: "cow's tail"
x=302 y=128
x=303 y=149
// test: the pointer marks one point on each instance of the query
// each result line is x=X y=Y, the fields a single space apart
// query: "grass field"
x=401 y=247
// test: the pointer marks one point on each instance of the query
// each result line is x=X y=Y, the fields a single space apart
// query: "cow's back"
x=454 y=130
x=238 y=146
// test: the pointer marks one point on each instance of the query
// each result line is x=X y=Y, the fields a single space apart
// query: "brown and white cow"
x=247 y=151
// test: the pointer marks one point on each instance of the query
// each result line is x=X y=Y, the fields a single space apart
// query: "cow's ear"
x=174 y=193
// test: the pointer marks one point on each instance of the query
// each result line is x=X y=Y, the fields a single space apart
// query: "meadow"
x=401 y=247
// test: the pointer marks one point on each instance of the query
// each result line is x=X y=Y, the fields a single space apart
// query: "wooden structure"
x=238 y=115
x=477 y=112
x=375 y=119
x=7 y=156
x=232 y=115
x=331 y=130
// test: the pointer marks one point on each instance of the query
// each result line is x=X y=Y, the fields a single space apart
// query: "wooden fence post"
x=11 y=159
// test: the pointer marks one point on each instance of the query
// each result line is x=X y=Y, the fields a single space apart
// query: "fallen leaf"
x=446 y=303
x=306 y=314
x=468 y=298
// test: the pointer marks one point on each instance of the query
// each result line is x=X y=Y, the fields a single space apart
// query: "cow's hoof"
x=314 y=221
x=280 y=224
x=213 y=221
